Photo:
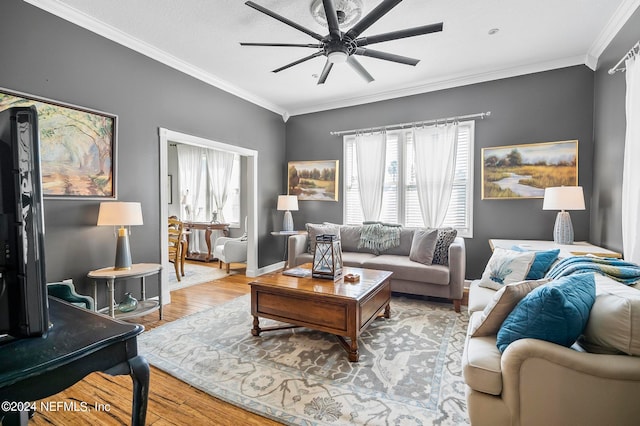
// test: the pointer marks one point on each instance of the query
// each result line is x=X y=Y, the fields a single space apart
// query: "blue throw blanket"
x=625 y=272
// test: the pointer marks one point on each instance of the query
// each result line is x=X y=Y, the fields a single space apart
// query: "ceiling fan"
x=340 y=46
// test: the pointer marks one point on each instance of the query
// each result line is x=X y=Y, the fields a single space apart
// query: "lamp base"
x=287 y=223
x=563 y=229
x=123 y=253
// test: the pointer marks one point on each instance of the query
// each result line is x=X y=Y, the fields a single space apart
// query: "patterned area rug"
x=195 y=274
x=409 y=371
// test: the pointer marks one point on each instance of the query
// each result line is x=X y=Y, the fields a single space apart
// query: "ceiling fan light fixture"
x=348 y=11
x=337 y=57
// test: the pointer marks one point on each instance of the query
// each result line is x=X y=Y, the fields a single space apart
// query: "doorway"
x=250 y=197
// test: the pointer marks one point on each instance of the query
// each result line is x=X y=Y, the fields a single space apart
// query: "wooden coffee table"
x=341 y=308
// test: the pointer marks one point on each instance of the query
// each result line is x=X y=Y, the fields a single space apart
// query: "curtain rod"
x=478 y=116
x=630 y=54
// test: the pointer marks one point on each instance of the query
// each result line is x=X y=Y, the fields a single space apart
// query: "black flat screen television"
x=23 y=285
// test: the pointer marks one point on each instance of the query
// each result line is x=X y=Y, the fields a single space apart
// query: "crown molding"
x=615 y=24
x=436 y=84
x=105 y=30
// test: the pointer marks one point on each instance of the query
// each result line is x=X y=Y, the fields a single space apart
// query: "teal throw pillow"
x=557 y=312
x=541 y=263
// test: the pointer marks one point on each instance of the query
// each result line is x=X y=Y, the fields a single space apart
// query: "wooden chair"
x=177 y=246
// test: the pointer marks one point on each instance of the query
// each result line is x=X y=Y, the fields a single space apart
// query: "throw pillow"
x=542 y=262
x=314 y=230
x=506 y=267
x=423 y=245
x=557 y=312
x=446 y=236
x=501 y=306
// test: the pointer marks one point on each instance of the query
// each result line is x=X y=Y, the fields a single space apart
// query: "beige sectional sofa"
x=446 y=281
x=534 y=382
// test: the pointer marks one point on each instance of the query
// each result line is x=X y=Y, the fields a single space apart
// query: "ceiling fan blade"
x=386 y=56
x=299 y=61
x=357 y=66
x=395 y=35
x=332 y=18
x=371 y=18
x=283 y=20
x=325 y=72
x=315 y=46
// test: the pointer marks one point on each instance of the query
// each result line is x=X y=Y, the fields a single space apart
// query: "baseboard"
x=266 y=269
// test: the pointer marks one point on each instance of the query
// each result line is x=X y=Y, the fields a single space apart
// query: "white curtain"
x=631 y=171
x=370 y=158
x=435 y=162
x=190 y=184
x=219 y=166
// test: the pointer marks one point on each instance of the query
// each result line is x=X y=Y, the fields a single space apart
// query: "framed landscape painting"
x=313 y=180
x=524 y=171
x=77 y=147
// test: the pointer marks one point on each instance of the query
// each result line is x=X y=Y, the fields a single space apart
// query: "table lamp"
x=287 y=203
x=121 y=214
x=563 y=198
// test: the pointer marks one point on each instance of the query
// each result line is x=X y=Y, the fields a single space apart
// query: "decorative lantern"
x=327 y=260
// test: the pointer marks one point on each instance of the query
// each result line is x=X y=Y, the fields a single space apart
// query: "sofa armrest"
x=545 y=383
x=457 y=268
x=297 y=245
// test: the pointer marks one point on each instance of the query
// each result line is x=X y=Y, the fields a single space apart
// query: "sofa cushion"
x=556 y=312
x=479 y=297
x=501 y=305
x=315 y=229
x=406 y=239
x=446 y=236
x=423 y=245
x=356 y=259
x=405 y=269
x=506 y=267
x=614 y=321
x=541 y=263
x=481 y=367
x=349 y=237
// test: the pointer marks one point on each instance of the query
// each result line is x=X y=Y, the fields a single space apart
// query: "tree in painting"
x=75 y=148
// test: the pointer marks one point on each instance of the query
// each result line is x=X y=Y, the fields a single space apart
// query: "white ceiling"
x=201 y=38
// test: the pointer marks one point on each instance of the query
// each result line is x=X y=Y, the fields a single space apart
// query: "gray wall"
x=550 y=106
x=49 y=57
x=609 y=133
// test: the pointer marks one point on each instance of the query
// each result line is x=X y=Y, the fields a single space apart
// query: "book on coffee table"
x=297 y=272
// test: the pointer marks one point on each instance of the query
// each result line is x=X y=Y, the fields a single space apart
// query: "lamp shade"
x=117 y=213
x=288 y=202
x=563 y=198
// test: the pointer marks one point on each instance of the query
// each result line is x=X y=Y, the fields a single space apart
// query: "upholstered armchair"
x=230 y=250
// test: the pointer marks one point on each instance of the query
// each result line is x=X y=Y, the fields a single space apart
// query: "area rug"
x=195 y=274
x=409 y=371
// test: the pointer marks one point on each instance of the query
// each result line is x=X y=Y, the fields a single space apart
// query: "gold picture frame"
x=524 y=171
x=313 y=180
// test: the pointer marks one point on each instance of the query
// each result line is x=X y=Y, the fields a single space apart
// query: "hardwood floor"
x=171 y=401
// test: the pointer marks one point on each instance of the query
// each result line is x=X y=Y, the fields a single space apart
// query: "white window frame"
x=466 y=232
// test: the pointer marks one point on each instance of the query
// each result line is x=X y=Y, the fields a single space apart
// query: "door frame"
x=250 y=198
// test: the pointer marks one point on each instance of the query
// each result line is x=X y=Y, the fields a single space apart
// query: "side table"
x=78 y=342
x=138 y=270
x=579 y=248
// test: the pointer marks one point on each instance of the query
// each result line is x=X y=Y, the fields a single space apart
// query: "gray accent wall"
x=49 y=57
x=609 y=134
x=549 y=106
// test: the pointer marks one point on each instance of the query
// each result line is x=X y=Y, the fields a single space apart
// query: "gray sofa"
x=446 y=281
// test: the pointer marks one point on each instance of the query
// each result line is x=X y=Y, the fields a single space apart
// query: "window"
x=400 y=198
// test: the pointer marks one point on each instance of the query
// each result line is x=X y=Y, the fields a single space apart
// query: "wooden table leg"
x=207 y=239
x=256 y=326
x=140 y=376
x=112 y=298
x=387 y=311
